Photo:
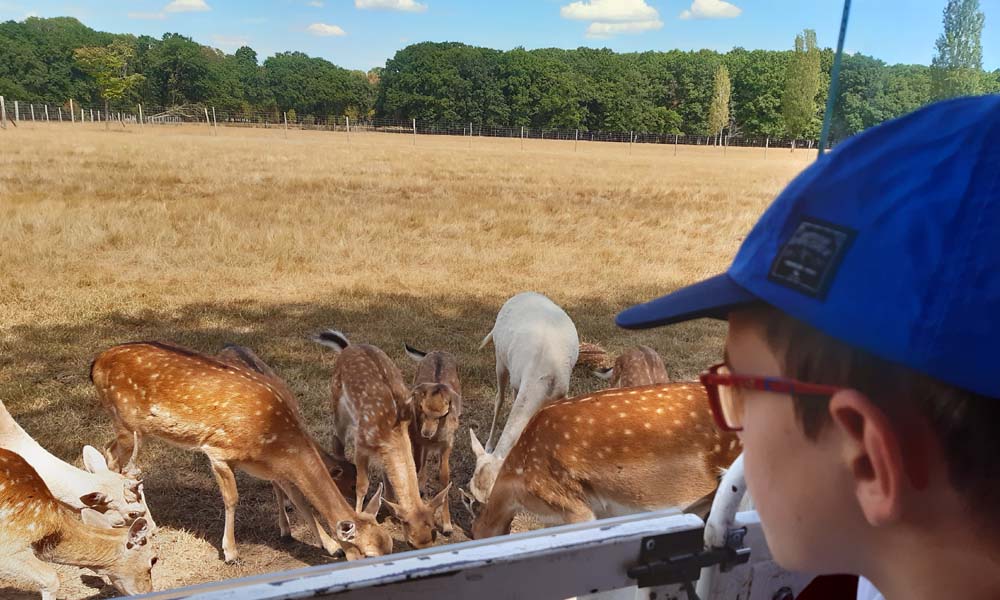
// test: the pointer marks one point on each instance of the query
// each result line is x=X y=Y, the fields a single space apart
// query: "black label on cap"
x=809 y=259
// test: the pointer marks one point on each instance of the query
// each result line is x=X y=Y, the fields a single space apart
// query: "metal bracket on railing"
x=677 y=558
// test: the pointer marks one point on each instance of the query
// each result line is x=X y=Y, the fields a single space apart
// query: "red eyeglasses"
x=726 y=401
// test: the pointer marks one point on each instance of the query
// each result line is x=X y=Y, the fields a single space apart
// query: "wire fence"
x=14 y=113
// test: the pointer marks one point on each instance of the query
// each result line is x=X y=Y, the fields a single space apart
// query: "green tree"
x=718 y=113
x=802 y=80
x=109 y=66
x=957 y=65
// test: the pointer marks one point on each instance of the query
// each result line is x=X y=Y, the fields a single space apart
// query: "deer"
x=635 y=367
x=120 y=498
x=36 y=528
x=239 y=419
x=437 y=406
x=372 y=412
x=340 y=469
x=536 y=346
x=610 y=453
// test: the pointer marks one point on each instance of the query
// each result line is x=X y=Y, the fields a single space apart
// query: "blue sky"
x=361 y=34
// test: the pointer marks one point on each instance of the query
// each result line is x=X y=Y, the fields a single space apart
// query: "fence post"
x=470 y=134
x=83 y=117
x=3 y=114
x=92 y=114
x=631 y=138
x=208 y=120
x=32 y=107
x=17 y=112
x=522 y=138
x=285 y=117
x=140 y=115
x=46 y=113
x=576 y=139
x=215 y=121
x=675 y=144
x=72 y=113
x=414 y=132
x=60 y=114
x=767 y=142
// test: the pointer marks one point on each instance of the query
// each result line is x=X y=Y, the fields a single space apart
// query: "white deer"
x=536 y=347
x=119 y=497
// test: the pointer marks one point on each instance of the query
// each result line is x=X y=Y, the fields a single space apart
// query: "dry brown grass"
x=252 y=238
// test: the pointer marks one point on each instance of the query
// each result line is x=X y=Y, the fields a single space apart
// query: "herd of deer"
x=642 y=444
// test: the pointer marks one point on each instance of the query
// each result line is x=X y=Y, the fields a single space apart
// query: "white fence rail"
x=593 y=558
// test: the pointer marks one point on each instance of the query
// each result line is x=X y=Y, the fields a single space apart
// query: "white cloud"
x=178 y=6
x=609 y=10
x=600 y=30
x=711 y=9
x=315 y=4
x=230 y=42
x=142 y=15
x=400 y=5
x=322 y=29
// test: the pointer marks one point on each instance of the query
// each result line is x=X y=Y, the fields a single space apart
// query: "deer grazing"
x=536 y=348
x=239 y=419
x=120 y=498
x=36 y=528
x=610 y=453
x=635 y=367
x=340 y=469
x=437 y=407
x=372 y=413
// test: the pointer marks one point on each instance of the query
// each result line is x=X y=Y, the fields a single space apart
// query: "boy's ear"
x=871 y=446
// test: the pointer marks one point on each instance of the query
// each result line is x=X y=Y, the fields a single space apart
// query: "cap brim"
x=713 y=298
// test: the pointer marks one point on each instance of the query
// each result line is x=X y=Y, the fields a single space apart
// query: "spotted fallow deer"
x=239 y=419
x=635 y=367
x=610 y=453
x=372 y=412
x=121 y=499
x=340 y=469
x=437 y=407
x=536 y=346
x=36 y=529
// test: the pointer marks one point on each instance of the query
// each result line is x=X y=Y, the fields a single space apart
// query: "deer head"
x=363 y=536
x=131 y=571
x=432 y=403
x=120 y=497
x=419 y=525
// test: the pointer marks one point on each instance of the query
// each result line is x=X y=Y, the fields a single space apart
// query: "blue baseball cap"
x=889 y=243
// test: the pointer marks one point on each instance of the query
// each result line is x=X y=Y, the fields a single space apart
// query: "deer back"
x=369 y=389
x=196 y=401
x=643 y=447
x=28 y=510
x=639 y=366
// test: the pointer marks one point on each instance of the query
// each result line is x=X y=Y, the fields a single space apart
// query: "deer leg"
x=361 y=461
x=118 y=452
x=303 y=507
x=227 y=485
x=444 y=478
x=279 y=499
x=503 y=380
x=24 y=566
x=422 y=473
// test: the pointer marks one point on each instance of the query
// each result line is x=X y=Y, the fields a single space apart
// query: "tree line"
x=739 y=92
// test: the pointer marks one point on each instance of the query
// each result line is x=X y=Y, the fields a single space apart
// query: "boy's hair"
x=966 y=424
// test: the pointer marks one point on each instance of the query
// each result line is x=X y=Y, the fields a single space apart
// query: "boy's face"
x=801 y=488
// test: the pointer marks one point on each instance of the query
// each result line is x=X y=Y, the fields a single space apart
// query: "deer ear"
x=394 y=507
x=95 y=519
x=94 y=499
x=442 y=497
x=138 y=533
x=346 y=531
x=375 y=503
x=477 y=448
x=93 y=461
x=606 y=373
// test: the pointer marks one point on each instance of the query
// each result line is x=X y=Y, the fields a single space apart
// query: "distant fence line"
x=14 y=112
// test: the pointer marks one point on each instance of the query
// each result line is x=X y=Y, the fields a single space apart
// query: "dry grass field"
x=254 y=238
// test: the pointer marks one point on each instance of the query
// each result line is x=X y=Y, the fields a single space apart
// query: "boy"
x=861 y=362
